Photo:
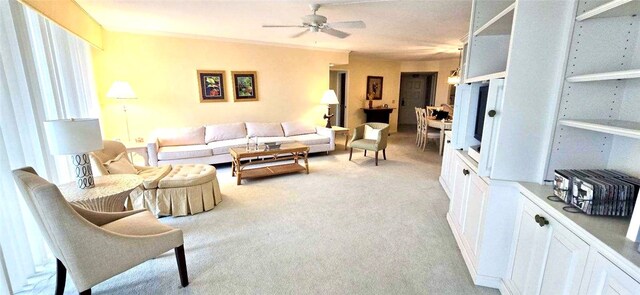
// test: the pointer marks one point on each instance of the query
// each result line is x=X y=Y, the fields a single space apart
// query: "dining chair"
x=427 y=132
x=418 y=127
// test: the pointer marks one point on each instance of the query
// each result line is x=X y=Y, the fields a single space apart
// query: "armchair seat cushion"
x=311 y=139
x=365 y=144
x=183 y=152
x=145 y=225
x=188 y=175
x=151 y=176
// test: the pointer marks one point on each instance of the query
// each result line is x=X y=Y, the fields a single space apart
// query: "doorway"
x=338 y=83
x=417 y=90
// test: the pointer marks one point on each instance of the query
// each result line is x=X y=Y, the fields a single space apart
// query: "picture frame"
x=211 y=85
x=245 y=85
x=374 y=86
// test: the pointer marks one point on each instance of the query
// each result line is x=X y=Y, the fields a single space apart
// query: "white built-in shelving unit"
x=499 y=24
x=598 y=117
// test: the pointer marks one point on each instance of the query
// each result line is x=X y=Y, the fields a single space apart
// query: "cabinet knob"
x=541 y=220
x=465 y=172
x=448 y=141
x=492 y=113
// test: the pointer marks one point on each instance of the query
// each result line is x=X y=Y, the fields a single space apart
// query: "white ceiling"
x=400 y=30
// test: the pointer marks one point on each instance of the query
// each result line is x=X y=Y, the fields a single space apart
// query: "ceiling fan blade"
x=299 y=34
x=334 y=32
x=281 y=26
x=349 y=24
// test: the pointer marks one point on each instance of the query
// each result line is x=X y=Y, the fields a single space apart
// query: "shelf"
x=613 y=8
x=615 y=127
x=619 y=75
x=499 y=25
x=485 y=77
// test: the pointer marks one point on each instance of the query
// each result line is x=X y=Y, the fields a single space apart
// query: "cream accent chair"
x=95 y=246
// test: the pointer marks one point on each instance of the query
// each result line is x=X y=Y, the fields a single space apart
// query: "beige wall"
x=162 y=72
x=443 y=67
x=357 y=71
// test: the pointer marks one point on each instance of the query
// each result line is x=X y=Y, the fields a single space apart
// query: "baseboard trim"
x=480 y=280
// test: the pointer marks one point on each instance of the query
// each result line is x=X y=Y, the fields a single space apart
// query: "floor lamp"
x=75 y=137
x=122 y=90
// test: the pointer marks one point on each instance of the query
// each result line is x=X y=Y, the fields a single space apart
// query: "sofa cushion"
x=183 y=152
x=310 y=139
x=224 y=131
x=180 y=136
x=222 y=147
x=297 y=128
x=152 y=175
x=264 y=129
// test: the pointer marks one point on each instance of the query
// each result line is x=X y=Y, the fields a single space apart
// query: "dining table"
x=443 y=125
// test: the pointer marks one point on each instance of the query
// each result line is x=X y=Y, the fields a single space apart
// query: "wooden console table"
x=379 y=115
x=288 y=151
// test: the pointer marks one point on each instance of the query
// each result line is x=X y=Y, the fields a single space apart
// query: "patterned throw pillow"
x=120 y=165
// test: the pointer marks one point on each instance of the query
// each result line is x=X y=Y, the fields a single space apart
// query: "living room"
x=163 y=147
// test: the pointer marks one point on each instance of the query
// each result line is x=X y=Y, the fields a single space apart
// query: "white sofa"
x=210 y=144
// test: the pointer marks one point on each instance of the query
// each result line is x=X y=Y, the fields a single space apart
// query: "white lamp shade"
x=73 y=137
x=329 y=97
x=121 y=90
x=453 y=80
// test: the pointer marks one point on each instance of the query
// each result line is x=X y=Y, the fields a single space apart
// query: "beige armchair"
x=366 y=142
x=95 y=246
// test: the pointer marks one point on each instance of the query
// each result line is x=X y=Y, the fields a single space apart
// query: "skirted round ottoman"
x=188 y=189
x=178 y=190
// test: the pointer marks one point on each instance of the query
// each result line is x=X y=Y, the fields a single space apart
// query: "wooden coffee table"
x=287 y=152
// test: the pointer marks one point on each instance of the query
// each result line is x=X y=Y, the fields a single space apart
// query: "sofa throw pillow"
x=264 y=129
x=120 y=165
x=371 y=133
x=180 y=136
x=297 y=128
x=220 y=132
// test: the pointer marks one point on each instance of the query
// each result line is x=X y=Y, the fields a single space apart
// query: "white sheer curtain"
x=45 y=73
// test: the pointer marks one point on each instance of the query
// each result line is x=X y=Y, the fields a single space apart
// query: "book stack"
x=597 y=192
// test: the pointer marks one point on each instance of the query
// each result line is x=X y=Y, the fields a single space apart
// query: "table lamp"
x=329 y=98
x=75 y=137
x=122 y=90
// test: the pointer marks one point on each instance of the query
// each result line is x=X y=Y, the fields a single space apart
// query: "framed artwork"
x=374 y=87
x=211 y=85
x=245 y=86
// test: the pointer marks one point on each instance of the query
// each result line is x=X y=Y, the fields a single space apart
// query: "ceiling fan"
x=318 y=23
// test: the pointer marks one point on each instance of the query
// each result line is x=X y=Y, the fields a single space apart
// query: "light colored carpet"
x=346 y=228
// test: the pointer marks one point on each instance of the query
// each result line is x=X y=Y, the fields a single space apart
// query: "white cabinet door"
x=476 y=197
x=548 y=258
x=530 y=243
x=608 y=279
x=460 y=178
x=565 y=263
x=491 y=126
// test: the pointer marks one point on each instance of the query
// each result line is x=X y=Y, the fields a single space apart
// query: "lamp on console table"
x=75 y=137
x=329 y=98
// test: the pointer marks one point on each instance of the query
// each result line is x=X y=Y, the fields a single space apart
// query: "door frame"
x=345 y=111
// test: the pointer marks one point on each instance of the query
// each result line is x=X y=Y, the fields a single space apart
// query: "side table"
x=344 y=131
x=139 y=148
x=109 y=194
